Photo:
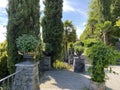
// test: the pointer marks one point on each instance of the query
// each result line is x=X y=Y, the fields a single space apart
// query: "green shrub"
x=79 y=43
x=60 y=65
x=90 y=42
x=3 y=60
x=78 y=50
x=102 y=56
x=27 y=43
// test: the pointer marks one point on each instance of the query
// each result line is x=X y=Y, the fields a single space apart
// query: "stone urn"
x=97 y=85
x=79 y=54
x=78 y=65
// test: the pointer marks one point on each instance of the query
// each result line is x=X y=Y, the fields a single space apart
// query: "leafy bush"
x=60 y=65
x=101 y=56
x=79 y=49
x=79 y=43
x=27 y=43
x=90 y=42
x=3 y=60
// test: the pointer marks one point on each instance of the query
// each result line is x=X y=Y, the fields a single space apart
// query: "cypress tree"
x=105 y=15
x=115 y=14
x=104 y=10
x=53 y=27
x=115 y=10
x=23 y=18
x=93 y=17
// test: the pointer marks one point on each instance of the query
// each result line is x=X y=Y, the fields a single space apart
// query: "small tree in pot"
x=27 y=45
x=79 y=50
x=102 y=56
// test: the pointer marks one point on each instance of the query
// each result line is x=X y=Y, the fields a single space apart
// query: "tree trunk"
x=105 y=38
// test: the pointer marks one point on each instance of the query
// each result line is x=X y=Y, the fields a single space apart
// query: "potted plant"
x=27 y=45
x=79 y=50
x=102 y=56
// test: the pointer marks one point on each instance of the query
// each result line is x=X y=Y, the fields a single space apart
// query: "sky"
x=74 y=10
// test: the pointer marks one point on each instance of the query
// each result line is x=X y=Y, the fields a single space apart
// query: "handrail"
x=10 y=76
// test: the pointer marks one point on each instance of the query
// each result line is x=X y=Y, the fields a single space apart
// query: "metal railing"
x=7 y=82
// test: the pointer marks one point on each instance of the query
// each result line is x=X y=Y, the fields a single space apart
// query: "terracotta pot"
x=97 y=85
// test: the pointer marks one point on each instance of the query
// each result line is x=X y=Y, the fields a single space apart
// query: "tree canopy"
x=53 y=27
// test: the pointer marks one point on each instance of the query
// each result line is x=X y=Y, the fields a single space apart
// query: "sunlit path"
x=67 y=80
x=113 y=83
x=64 y=80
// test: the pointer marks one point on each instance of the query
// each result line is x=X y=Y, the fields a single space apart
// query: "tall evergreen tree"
x=105 y=15
x=23 y=18
x=115 y=10
x=115 y=14
x=93 y=18
x=104 y=10
x=53 y=27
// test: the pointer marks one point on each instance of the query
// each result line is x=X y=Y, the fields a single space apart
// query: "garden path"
x=64 y=80
x=68 y=80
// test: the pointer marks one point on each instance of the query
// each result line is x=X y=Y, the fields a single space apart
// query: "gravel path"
x=63 y=80
x=113 y=83
x=68 y=80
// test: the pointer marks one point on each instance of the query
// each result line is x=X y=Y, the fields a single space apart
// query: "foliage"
x=90 y=42
x=100 y=12
x=23 y=18
x=118 y=23
x=79 y=49
x=101 y=56
x=86 y=34
x=72 y=36
x=27 y=43
x=70 y=31
x=103 y=29
x=48 y=48
x=115 y=33
x=3 y=60
x=115 y=7
x=53 y=27
x=104 y=10
x=79 y=43
x=60 y=65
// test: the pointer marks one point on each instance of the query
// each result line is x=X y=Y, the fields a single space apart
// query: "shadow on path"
x=59 y=80
x=67 y=80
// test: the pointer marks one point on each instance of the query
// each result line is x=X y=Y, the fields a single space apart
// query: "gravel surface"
x=68 y=80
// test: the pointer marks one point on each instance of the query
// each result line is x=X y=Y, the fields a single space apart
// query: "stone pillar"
x=78 y=65
x=28 y=78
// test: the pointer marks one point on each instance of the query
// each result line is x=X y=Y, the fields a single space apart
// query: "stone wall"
x=28 y=78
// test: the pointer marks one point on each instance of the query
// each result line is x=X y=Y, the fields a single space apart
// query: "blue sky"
x=74 y=10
